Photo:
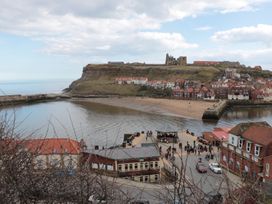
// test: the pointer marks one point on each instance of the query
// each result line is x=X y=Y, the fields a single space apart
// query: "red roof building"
x=248 y=151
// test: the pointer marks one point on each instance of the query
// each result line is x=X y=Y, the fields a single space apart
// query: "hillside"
x=100 y=79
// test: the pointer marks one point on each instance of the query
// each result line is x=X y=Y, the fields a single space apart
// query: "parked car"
x=96 y=199
x=215 y=167
x=201 y=167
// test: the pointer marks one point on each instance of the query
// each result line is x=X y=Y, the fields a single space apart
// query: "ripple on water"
x=105 y=125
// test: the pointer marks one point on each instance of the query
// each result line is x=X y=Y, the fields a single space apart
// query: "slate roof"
x=128 y=153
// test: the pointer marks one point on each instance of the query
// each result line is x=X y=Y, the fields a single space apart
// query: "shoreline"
x=171 y=107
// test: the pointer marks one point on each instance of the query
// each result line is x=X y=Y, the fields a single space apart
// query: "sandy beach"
x=179 y=108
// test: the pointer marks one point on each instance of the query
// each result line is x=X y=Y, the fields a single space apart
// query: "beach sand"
x=179 y=108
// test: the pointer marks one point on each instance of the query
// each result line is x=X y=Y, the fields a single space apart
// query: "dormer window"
x=248 y=146
x=257 y=150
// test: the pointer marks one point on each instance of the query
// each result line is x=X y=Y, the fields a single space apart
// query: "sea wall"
x=215 y=112
x=9 y=100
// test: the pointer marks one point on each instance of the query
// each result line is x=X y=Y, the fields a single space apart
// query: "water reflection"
x=105 y=125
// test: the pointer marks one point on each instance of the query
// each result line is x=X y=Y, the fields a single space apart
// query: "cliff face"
x=100 y=79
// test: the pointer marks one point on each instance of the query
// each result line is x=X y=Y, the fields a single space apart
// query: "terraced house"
x=137 y=163
x=248 y=151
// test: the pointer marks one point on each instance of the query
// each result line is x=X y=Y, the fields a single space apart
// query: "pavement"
x=207 y=182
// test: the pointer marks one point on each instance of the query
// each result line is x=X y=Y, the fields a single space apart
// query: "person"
x=180 y=146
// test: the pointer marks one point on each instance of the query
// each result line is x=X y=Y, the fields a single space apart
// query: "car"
x=215 y=167
x=201 y=167
x=96 y=199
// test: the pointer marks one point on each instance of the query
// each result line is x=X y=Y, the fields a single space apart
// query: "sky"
x=55 y=39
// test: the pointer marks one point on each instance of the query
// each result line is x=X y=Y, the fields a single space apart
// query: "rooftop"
x=128 y=153
x=242 y=127
x=259 y=134
x=52 y=146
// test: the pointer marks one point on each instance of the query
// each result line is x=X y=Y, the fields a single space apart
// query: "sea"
x=100 y=124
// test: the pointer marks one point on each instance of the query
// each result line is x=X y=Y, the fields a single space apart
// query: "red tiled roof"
x=52 y=146
x=242 y=127
x=259 y=134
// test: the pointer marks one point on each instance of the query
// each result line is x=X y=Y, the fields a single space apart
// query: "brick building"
x=248 y=151
x=137 y=163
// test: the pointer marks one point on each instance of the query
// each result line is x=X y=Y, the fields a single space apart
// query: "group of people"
x=196 y=149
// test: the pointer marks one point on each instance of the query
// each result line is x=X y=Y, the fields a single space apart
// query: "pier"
x=9 y=100
x=215 y=112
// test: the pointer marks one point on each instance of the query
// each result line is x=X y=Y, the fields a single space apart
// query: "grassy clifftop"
x=100 y=79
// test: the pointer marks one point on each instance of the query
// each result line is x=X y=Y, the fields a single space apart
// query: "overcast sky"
x=54 y=39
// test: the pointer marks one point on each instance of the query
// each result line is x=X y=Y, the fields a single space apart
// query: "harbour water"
x=100 y=124
x=105 y=125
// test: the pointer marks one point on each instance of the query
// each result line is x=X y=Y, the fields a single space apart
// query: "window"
x=146 y=165
x=120 y=167
x=231 y=161
x=156 y=177
x=267 y=169
x=141 y=165
x=232 y=140
x=246 y=168
x=224 y=158
x=257 y=150
x=146 y=178
x=151 y=165
x=109 y=167
x=126 y=167
x=156 y=164
x=248 y=146
x=135 y=166
x=141 y=179
x=238 y=165
x=240 y=143
x=95 y=166
x=130 y=167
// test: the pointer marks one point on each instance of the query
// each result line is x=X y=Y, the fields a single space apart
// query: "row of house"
x=231 y=86
x=138 y=163
x=194 y=93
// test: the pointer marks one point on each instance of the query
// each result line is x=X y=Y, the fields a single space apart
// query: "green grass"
x=99 y=79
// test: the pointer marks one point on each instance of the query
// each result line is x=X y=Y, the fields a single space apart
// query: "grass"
x=99 y=79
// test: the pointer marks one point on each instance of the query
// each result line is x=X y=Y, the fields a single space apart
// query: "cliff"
x=100 y=79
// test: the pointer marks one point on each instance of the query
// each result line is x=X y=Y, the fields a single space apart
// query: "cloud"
x=204 y=28
x=260 y=33
x=107 y=27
